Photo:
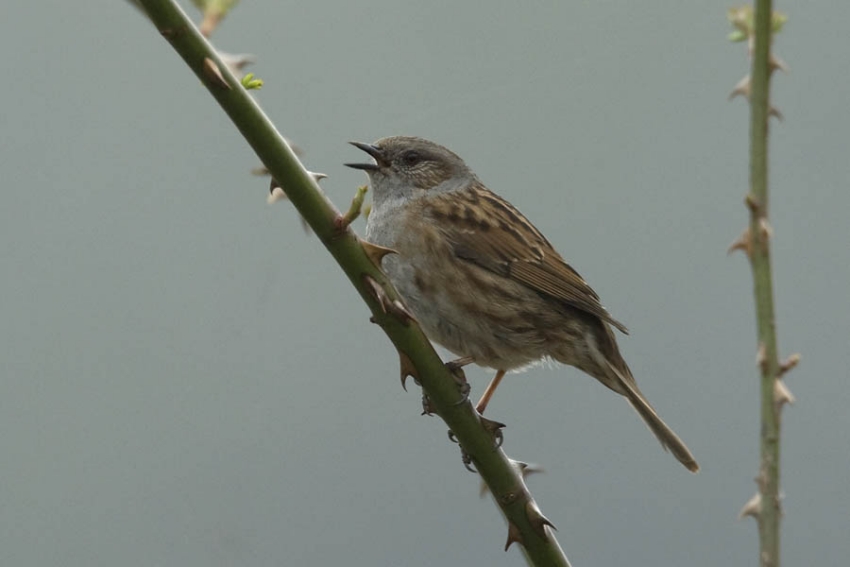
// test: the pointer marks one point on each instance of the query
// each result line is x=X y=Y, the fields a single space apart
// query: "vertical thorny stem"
x=760 y=234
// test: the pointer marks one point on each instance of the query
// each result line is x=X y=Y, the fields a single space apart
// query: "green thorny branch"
x=444 y=387
x=766 y=507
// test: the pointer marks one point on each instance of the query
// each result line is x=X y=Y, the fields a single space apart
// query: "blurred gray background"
x=186 y=378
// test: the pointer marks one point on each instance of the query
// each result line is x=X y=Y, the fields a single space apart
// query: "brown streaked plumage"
x=483 y=281
x=489 y=232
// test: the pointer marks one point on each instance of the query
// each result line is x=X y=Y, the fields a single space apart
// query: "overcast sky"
x=188 y=379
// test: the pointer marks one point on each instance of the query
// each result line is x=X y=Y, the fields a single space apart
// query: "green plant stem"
x=496 y=469
x=768 y=479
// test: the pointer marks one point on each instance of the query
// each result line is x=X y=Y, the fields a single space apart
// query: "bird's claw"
x=427 y=405
x=465 y=457
x=493 y=427
x=467 y=461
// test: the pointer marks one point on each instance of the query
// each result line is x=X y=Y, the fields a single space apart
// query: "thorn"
x=750 y=201
x=407 y=369
x=391 y=307
x=453 y=437
x=788 y=364
x=211 y=20
x=761 y=357
x=273 y=184
x=526 y=470
x=296 y=149
x=537 y=520
x=781 y=394
x=275 y=194
x=751 y=508
x=765 y=230
x=483 y=489
x=776 y=62
x=376 y=253
x=741 y=89
x=514 y=536
x=213 y=73
x=398 y=309
x=494 y=428
x=237 y=61
x=741 y=243
x=377 y=292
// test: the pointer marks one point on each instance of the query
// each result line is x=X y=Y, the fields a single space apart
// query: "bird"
x=483 y=282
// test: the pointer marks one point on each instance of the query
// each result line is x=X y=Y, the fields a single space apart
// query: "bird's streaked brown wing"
x=503 y=241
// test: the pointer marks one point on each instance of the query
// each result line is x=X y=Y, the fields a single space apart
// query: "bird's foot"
x=465 y=457
x=455 y=367
x=495 y=430
x=427 y=405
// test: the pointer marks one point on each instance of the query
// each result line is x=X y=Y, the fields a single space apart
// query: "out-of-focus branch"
x=757 y=28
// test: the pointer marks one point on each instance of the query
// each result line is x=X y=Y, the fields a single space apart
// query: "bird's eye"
x=410 y=158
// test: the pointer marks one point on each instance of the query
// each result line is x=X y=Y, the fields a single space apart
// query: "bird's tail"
x=669 y=440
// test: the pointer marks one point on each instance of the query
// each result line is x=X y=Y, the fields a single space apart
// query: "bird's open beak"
x=374 y=151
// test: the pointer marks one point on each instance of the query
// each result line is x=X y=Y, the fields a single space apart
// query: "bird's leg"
x=459 y=362
x=494 y=427
x=488 y=393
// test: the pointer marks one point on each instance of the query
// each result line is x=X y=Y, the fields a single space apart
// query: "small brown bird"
x=482 y=281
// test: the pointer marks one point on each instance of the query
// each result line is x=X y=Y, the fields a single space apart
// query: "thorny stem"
x=768 y=477
x=503 y=476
